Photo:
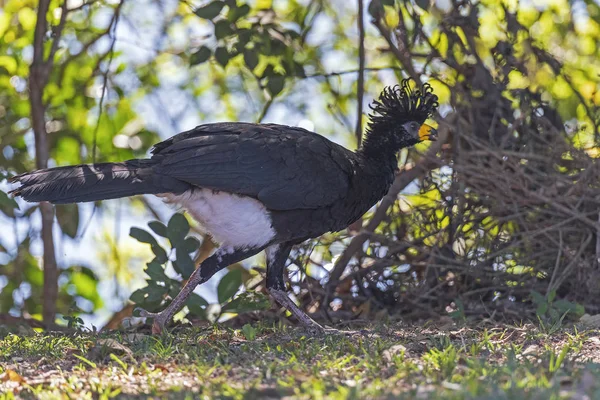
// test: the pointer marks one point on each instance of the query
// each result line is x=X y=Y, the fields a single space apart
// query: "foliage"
x=160 y=288
x=505 y=206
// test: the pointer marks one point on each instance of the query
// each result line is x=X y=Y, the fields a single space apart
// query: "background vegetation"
x=497 y=219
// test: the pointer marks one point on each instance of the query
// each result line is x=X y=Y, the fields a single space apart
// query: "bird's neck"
x=379 y=151
x=377 y=166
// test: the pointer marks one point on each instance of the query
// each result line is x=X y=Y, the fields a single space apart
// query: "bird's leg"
x=276 y=257
x=204 y=251
x=223 y=257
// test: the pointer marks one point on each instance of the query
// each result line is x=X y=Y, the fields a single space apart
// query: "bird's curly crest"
x=401 y=103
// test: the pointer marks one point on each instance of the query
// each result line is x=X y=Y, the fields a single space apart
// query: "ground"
x=430 y=360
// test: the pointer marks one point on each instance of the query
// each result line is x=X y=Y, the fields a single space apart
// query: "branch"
x=58 y=32
x=265 y=109
x=88 y=45
x=360 y=91
x=352 y=71
x=113 y=26
x=403 y=55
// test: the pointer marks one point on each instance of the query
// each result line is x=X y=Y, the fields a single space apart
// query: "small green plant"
x=556 y=360
x=161 y=288
x=458 y=314
x=73 y=321
x=443 y=360
x=551 y=312
x=249 y=332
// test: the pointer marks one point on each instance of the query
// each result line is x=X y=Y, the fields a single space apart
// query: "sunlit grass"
x=398 y=361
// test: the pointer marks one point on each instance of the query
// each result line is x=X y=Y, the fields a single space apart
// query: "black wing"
x=283 y=167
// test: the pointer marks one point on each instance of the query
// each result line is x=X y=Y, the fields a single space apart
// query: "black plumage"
x=305 y=184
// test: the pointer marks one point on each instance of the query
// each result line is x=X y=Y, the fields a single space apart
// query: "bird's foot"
x=320 y=330
x=160 y=319
x=309 y=324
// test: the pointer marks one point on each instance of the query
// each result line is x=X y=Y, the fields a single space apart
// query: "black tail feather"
x=92 y=182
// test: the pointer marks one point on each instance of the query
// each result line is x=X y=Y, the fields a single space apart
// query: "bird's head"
x=398 y=118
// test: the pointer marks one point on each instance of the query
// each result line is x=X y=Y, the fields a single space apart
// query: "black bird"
x=255 y=187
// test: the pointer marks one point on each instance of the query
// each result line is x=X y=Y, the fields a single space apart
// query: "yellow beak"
x=427 y=132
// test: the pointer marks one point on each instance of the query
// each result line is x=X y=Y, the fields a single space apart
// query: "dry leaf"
x=393 y=351
x=13 y=376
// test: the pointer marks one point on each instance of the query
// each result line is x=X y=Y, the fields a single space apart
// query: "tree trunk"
x=38 y=78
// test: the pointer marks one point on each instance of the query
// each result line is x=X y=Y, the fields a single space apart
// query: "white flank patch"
x=232 y=221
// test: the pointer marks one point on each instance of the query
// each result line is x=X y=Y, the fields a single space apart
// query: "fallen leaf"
x=389 y=354
x=161 y=367
x=531 y=349
x=13 y=376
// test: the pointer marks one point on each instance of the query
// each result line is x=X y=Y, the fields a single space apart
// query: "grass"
x=259 y=361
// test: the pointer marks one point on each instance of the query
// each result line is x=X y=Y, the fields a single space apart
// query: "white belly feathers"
x=231 y=220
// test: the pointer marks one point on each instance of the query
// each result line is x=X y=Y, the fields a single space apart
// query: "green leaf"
x=249 y=332
x=184 y=263
x=68 y=218
x=275 y=84
x=196 y=304
x=160 y=253
x=247 y=302
x=375 y=9
x=537 y=297
x=222 y=56
x=277 y=47
x=154 y=293
x=243 y=36
x=551 y=296
x=236 y=13
x=158 y=227
x=190 y=244
x=177 y=229
x=229 y=285
x=211 y=10
x=269 y=71
x=138 y=296
x=250 y=58
x=294 y=68
x=155 y=271
x=541 y=309
x=200 y=56
x=223 y=29
x=142 y=236
x=424 y=4
x=563 y=306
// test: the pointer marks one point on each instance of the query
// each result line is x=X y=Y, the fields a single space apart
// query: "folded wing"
x=283 y=167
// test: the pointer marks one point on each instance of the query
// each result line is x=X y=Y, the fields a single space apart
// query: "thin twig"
x=360 y=90
x=113 y=26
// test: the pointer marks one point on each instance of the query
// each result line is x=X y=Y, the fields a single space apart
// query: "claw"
x=160 y=319
x=144 y=314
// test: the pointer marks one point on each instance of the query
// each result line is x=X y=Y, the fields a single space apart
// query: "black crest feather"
x=401 y=103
